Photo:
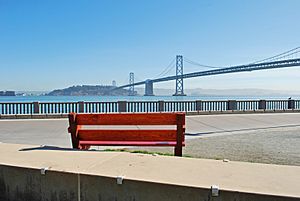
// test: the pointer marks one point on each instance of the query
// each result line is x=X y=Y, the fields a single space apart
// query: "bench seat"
x=128 y=143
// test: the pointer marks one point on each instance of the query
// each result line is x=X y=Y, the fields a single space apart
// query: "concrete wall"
x=25 y=184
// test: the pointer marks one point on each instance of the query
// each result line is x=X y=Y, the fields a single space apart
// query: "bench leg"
x=84 y=147
x=178 y=151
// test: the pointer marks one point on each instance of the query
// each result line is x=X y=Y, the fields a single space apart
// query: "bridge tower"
x=179 y=76
x=114 y=83
x=131 y=81
x=149 y=88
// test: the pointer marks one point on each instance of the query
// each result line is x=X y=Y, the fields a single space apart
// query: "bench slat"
x=127 y=135
x=127 y=119
x=128 y=143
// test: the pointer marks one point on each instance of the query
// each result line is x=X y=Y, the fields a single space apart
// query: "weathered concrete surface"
x=63 y=186
x=92 y=176
x=27 y=184
x=35 y=131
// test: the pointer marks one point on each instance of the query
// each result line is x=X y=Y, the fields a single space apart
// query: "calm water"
x=130 y=98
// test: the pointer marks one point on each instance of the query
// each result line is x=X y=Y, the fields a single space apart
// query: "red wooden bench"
x=84 y=135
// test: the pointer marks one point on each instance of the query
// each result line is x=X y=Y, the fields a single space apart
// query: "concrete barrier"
x=87 y=176
x=27 y=184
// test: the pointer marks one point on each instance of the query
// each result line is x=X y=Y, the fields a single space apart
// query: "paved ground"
x=266 y=138
x=199 y=173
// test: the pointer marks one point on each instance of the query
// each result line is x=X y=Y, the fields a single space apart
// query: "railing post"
x=262 y=104
x=231 y=105
x=291 y=104
x=198 y=105
x=36 y=107
x=122 y=106
x=161 y=106
x=81 y=107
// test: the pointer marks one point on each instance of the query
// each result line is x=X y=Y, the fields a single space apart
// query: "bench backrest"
x=128 y=119
x=119 y=119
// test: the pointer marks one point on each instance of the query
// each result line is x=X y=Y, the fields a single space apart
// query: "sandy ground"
x=275 y=145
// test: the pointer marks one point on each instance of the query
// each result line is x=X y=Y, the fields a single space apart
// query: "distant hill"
x=89 y=90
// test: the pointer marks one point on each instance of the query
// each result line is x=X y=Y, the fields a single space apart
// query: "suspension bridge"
x=283 y=60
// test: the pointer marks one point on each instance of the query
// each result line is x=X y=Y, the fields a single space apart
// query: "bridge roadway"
x=241 y=68
x=270 y=138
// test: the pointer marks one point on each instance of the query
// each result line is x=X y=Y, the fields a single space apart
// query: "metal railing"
x=56 y=108
x=140 y=106
x=98 y=107
x=178 y=106
x=248 y=105
x=144 y=106
x=16 y=108
x=277 y=104
x=213 y=105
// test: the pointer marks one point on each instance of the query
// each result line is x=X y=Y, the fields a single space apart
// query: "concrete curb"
x=58 y=116
x=34 y=116
x=241 y=112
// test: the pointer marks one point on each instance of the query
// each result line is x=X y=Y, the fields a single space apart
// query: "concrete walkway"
x=198 y=173
x=212 y=125
x=54 y=131
x=261 y=138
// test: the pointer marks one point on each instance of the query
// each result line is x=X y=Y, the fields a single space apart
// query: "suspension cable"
x=197 y=64
x=167 y=69
x=278 y=55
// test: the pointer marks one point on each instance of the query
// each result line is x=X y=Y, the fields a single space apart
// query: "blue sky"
x=52 y=44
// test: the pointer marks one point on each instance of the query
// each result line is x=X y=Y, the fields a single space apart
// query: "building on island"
x=7 y=93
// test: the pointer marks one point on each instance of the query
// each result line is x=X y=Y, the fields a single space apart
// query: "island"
x=89 y=90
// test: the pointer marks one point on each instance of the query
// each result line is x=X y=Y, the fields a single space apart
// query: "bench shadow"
x=236 y=130
x=53 y=148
